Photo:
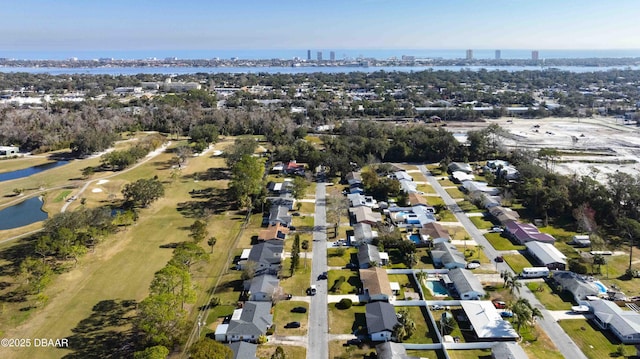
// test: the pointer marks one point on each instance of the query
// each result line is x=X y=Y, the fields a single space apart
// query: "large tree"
x=246 y=179
x=143 y=191
x=206 y=348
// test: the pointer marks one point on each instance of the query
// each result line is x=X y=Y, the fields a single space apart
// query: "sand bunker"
x=96 y=190
x=103 y=181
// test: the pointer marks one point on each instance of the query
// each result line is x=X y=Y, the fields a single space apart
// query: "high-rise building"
x=332 y=56
x=469 y=54
x=498 y=54
x=535 y=55
x=308 y=54
x=319 y=55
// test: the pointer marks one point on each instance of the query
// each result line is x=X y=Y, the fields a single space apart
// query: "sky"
x=83 y=25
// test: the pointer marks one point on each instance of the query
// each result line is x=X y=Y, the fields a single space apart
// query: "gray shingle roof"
x=380 y=316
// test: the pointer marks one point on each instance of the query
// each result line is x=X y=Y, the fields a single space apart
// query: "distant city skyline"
x=148 y=25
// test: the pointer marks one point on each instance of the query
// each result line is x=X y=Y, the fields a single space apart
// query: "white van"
x=535 y=272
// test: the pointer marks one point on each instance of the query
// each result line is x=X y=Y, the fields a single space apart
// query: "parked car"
x=312 y=290
x=496 y=230
x=506 y=314
x=292 y=325
x=322 y=276
x=499 y=304
x=437 y=307
x=352 y=266
x=299 y=310
x=354 y=341
x=499 y=259
x=288 y=296
x=475 y=261
x=473 y=265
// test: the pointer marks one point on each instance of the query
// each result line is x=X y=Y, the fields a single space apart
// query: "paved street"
x=563 y=342
x=318 y=347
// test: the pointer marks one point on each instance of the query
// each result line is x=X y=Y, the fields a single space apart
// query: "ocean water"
x=341 y=54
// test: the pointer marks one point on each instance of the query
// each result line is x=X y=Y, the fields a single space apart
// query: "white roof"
x=222 y=329
x=245 y=254
x=395 y=286
x=486 y=321
x=546 y=252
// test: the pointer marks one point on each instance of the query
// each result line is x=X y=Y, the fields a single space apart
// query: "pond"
x=22 y=214
x=26 y=172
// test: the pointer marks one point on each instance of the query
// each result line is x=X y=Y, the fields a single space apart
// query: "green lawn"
x=422 y=334
x=501 y=243
x=339 y=257
x=283 y=315
x=338 y=350
x=426 y=188
x=267 y=350
x=537 y=345
x=447 y=216
x=62 y=195
x=517 y=262
x=548 y=298
x=298 y=284
x=470 y=354
x=560 y=234
x=595 y=344
x=351 y=283
x=446 y=182
x=424 y=259
x=481 y=223
x=347 y=320
x=455 y=193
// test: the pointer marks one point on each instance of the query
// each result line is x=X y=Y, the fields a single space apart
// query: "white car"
x=473 y=265
x=496 y=230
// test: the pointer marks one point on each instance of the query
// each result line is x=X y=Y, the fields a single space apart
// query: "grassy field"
x=595 y=344
x=470 y=354
x=446 y=183
x=481 y=223
x=446 y=215
x=501 y=243
x=347 y=320
x=548 y=298
x=267 y=350
x=424 y=259
x=339 y=349
x=422 y=333
x=517 y=262
x=298 y=284
x=98 y=279
x=283 y=315
x=339 y=257
x=349 y=286
x=537 y=344
x=430 y=354
x=426 y=188
x=455 y=193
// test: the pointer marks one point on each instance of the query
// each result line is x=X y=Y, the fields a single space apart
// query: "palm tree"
x=524 y=314
x=479 y=247
x=510 y=281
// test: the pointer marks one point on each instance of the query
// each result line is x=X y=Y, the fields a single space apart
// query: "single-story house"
x=375 y=283
x=278 y=187
x=284 y=199
x=262 y=288
x=278 y=168
x=527 y=232
x=364 y=214
x=392 y=350
x=575 y=284
x=459 y=167
x=353 y=178
x=475 y=186
x=276 y=231
x=434 y=232
x=243 y=350
x=381 y=319
x=415 y=216
x=279 y=214
x=495 y=164
x=625 y=324
x=416 y=199
x=461 y=177
x=547 y=255
x=504 y=215
x=486 y=322
x=358 y=199
x=267 y=257
x=408 y=186
x=363 y=233
x=446 y=255
x=508 y=350
x=402 y=175
x=466 y=284
x=485 y=200
x=249 y=322
x=368 y=253
x=293 y=167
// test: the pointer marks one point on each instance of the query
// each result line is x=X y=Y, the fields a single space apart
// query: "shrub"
x=344 y=303
x=578 y=267
x=337 y=284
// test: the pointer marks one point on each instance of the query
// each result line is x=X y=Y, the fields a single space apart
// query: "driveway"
x=318 y=344
x=563 y=342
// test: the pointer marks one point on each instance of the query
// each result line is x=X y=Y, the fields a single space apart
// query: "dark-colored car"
x=506 y=314
x=299 y=310
x=355 y=341
x=322 y=276
x=352 y=266
x=292 y=325
x=288 y=296
x=499 y=259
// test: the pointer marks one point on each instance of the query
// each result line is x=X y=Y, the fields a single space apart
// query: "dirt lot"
x=605 y=144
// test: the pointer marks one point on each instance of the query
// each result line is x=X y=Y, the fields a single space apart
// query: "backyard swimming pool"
x=600 y=286
x=436 y=288
x=415 y=238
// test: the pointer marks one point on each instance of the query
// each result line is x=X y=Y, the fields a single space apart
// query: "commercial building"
x=332 y=56
x=498 y=54
x=319 y=55
x=469 y=54
x=535 y=55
